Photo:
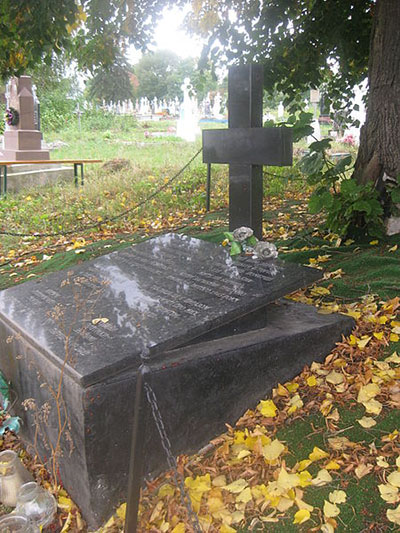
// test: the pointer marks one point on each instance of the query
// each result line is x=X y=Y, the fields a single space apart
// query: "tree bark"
x=379 y=151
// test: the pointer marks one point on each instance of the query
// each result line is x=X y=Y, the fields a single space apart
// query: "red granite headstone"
x=22 y=142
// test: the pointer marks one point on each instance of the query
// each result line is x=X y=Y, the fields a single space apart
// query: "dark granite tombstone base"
x=202 y=321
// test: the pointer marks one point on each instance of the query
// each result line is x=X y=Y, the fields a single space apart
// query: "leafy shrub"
x=352 y=209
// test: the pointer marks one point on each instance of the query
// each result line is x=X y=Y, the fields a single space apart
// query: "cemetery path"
x=322 y=453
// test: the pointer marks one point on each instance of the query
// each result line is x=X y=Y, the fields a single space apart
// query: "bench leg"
x=76 y=181
x=3 y=180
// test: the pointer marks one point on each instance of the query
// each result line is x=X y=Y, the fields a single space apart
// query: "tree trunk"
x=379 y=151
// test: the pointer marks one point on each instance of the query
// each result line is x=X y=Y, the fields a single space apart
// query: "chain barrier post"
x=208 y=188
x=141 y=410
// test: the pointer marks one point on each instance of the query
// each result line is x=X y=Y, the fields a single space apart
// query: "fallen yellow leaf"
x=305 y=478
x=362 y=470
x=330 y=509
x=366 y=422
x=244 y=496
x=367 y=392
x=121 y=511
x=166 y=490
x=317 y=454
x=394 y=358
x=394 y=479
x=295 y=403
x=389 y=493
x=292 y=387
x=311 y=381
x=273 y=450
x=362 y=343
x=373 y=407
x=337 y=496
x=179 y=528
x=305 y=463
x=394 y=515
x=332 y=465
x=381 y=461
x=236 y=486
x=301 y=516
x=334 y=377
x=323 y=477
x=267 y=408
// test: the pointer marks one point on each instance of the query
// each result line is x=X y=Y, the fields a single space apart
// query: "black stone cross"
x=246 y=146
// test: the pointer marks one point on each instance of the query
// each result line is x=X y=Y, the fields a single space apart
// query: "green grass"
x=364 y=506
x=367 y=269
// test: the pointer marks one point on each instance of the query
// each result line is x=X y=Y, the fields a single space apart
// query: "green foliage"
x=91 y=31
x=56 y=109
x=2 y=123
x=302 y=43
x=112 y=83
x=31 y=30
x=352 y=209
x=161 y=75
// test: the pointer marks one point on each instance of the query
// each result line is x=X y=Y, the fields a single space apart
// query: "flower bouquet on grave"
x=11 y=116
x=243 y=240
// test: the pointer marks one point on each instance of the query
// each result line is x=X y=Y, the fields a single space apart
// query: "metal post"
x=208 y=193
x=141 y=410
x=81 y=173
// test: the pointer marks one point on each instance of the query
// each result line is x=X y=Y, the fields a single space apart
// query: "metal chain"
x=166 y=444
x=84 y=227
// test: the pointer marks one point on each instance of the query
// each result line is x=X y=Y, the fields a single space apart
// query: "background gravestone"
x=22 y=142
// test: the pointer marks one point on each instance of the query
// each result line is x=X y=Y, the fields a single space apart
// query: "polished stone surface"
x=155 y=296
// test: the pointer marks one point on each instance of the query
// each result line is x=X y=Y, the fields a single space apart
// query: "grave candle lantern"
x=12 y=475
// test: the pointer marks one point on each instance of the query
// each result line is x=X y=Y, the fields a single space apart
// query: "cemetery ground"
x=322 y=453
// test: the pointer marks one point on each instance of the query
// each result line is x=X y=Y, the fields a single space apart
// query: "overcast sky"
x=169 y=36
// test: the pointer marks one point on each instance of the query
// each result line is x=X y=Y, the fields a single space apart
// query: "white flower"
x=265 y=250
x=243 y=233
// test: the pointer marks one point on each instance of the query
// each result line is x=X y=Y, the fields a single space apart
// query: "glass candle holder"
x=12 y=523
x=38 y=505
x=13 y=475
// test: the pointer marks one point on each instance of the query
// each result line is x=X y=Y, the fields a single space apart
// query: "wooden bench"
x=76 y=162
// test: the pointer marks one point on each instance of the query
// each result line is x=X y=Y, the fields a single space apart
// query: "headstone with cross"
x=246 y=146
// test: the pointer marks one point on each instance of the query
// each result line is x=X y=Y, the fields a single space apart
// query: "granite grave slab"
x=204 y=321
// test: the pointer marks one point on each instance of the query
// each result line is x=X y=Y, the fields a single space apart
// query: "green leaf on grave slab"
x=228 y=235
x=236 y=249
x=251 y=241
x=4 y=393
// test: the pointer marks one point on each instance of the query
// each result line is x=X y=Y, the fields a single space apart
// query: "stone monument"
x=22 y=141
x=204 y=322
x=187 y=126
